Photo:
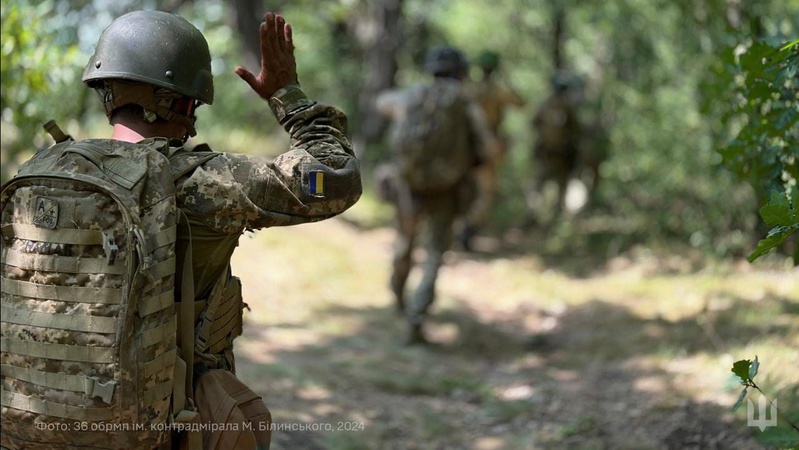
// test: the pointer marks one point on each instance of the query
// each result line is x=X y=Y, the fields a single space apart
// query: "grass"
x=636 y=353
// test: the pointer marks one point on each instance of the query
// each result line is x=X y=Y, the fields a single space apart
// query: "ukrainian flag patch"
x=316 y=183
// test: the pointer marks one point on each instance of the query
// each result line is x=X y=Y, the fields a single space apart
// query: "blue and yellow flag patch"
x=316 y=183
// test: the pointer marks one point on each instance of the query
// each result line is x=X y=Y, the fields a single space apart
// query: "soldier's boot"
x=415 y=335
x=466 y=236
x=399 y=297
x=397 y=285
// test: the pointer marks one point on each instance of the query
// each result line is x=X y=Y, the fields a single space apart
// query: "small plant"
x=746 y=370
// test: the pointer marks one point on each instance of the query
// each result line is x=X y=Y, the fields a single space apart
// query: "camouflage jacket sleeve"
x=487 y=146
x=388 y=103
x=317 y=178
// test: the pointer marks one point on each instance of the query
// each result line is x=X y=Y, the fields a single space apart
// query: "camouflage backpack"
x=434 y=147
x=89 y=324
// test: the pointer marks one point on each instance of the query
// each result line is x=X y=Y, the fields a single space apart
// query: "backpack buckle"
x=93 y=387
x=110 y=247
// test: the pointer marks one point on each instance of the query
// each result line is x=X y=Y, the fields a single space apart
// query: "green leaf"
x=741 y=368
x=778 y=212
x=753 y=368
x=740 y=400
x=775 y=238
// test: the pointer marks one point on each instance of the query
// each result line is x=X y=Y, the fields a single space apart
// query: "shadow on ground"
x=593 y=381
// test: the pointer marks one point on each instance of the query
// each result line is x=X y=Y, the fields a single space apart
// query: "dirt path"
x=633 y=356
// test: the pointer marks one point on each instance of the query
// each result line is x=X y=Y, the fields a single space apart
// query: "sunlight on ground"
x=635 y=344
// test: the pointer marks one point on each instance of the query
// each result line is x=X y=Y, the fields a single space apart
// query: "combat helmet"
x=150 y=58
x=487 y=60
x=446 y=61
x=563 y=80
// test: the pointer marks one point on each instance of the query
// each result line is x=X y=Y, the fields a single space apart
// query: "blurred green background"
x=672 y=77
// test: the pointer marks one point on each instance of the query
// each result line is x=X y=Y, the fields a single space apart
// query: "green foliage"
x=765 y=151
x=37 y=74
x=662 y=179
x=780 y=214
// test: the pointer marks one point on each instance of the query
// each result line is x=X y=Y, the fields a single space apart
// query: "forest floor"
x=529 y=352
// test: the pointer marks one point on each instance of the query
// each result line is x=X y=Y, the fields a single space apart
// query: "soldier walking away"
x=119 y=306
x=439 y=137
x=555 y=152
x=494 y=96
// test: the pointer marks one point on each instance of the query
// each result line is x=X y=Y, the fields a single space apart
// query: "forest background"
x=699 y=99
x=667 y=86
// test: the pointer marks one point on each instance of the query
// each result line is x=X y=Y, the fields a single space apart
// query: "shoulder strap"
x=184 y=380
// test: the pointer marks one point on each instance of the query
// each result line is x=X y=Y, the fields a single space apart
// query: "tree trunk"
x=245 y=18
x=381 y=40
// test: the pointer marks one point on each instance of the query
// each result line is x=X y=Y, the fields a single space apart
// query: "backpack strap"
x=183 y=410
x=183 y=388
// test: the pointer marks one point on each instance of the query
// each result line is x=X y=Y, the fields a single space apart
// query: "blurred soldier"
x=152 y=70
x=438 y=138
x=594 y=149
x=494 y=98
x=558 y=136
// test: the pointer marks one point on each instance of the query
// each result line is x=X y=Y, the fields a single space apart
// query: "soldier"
x=555 y=153
x=494 y=98
x=439 y=136
x=152 y=71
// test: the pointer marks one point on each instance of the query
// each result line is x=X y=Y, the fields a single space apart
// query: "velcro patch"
x=45 y=212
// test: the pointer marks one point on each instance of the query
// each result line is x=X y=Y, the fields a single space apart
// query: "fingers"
x=287 y=34
x=247 y=76
x=276 y=34
x=278 y=67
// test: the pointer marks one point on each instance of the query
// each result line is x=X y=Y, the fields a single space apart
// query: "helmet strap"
x=117 y=93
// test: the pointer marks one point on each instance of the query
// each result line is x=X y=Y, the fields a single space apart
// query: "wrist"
x=288 y=99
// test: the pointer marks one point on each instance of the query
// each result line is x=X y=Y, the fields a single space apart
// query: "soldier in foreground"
x=439 y=137
x=96 y=309
x=494 y=97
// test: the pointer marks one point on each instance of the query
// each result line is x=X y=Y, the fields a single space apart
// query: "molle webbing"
x=69 y=322
x=63 y=352
x=227 y=324
x=88 y=319
x=49 y=408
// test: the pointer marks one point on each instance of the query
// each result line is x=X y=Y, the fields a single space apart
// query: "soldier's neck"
x=126 y=134
x=140 y=131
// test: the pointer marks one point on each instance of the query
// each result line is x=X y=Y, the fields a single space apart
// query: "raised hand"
x=278 y=67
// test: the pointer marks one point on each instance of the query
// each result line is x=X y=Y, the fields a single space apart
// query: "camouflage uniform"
x=233 y=193
x=555 y=154
x=429 y=216
x=494 y=99
x=222 y=195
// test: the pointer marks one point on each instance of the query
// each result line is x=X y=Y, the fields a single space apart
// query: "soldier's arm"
x=317 y=178
x=388 y=103
x=510 y=97
x=487 y=144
